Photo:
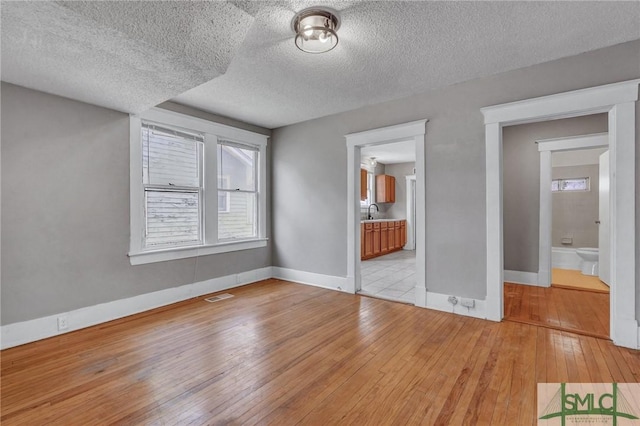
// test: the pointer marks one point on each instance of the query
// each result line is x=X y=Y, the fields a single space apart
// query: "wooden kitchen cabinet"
x=379 y=238
x=368 y=240
x=384 y=238
x=376 y=238
x=363 y=184
x=385 y=189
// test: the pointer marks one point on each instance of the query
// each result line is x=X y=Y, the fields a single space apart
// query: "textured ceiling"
x=238 y=58
x=128 y=55
x=391 y=49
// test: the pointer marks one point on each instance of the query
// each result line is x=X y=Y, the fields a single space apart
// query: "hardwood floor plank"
x=541 y=356
x=558 y=308
x=462 y=394
x=482 y=394
x=619 y=370
x=285 y=353
x=598 y=370
x=584 y=375
x=315 y=369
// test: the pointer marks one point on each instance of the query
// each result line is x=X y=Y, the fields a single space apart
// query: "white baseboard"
x=440 y=302
x=520 y=277
x=330 y=282
x=40 y=328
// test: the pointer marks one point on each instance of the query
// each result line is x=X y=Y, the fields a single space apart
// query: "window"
x=370 y=190
x=197 y=187
x=237 y=183
x=172 y=179
x=570 y=185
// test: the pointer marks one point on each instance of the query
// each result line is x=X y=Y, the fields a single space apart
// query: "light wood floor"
x=283 y=353
x=571 y=279
x=577 y=311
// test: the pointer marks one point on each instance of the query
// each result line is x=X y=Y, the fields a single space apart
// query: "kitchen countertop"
x=380 y=220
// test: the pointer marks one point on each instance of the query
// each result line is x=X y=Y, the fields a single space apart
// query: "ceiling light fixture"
x=315 y=30
x=373 y=161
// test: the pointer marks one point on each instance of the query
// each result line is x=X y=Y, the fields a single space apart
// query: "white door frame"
x=618 y=100
x=546 y=147
x=413 y=131
x=411 y=220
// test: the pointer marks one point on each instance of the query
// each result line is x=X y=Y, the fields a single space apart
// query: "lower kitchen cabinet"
x=380 y=238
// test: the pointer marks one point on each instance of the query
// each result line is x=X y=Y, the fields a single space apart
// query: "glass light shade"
x=316 y=31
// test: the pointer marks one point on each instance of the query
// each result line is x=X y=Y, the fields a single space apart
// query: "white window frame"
x=212 y=131
x=227 y=197
x=157 y=187
x=229 y=191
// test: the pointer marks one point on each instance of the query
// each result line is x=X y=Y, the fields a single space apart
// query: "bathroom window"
x=570 y=185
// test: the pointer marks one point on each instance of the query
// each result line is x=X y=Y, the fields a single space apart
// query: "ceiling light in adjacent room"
x=315 y=30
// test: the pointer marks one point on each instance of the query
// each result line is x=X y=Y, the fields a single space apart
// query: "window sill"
x=163 y=255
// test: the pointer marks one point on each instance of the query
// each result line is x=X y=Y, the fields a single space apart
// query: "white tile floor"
x=392 y=276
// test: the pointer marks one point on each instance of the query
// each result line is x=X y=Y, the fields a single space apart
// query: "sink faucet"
x=369 y=210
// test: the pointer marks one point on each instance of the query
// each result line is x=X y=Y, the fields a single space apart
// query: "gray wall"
x=310 y=167
x=521 y=196
x=575 y=213
x=65 y=211
x=398 y=210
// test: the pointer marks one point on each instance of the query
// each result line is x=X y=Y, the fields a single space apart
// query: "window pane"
x=236 y=167
x=169 y=158
x=172 y=217
x=240 y=220
x=554 y=185
x=580 y=184
x=223 y=201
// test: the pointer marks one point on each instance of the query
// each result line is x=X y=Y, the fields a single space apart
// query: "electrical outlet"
x=63 y=322
x=453 y=300
x=469 y=303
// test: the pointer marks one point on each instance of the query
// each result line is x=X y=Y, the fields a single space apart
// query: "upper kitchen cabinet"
x=385 y=189
x=363 y=184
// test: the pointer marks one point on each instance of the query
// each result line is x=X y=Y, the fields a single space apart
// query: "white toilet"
x=589 y=257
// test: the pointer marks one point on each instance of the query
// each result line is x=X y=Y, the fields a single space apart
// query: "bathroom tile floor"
x=392 y=276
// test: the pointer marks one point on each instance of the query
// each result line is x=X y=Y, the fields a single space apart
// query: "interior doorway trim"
x=412 y=131
x=618 y=100
x=546 y=147
x=411 y=208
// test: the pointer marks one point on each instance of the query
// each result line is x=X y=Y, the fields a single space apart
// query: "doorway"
x=567 y=292
x=549 y=148
x=413 y=132
x=388 y=257
x=618 y=101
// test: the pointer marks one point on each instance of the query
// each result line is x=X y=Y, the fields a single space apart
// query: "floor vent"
x=219 y=297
